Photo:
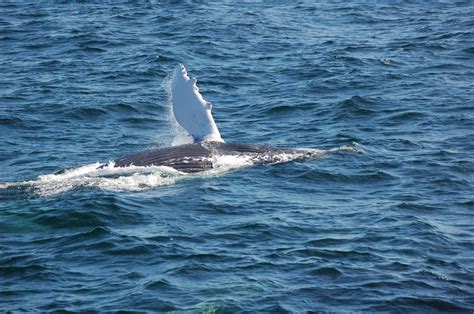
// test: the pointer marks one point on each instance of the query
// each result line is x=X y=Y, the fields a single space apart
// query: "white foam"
x=224 y=163
x=108 y=178
x=181 y=139
x=354 y=148
x=5 y=185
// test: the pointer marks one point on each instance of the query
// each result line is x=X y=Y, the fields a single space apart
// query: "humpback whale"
x=193 y=113
x=208 y=154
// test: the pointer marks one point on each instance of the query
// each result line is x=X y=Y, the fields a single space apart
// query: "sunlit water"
x=379 y=220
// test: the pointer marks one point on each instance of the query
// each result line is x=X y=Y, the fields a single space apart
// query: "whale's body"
x=191 y=158
x=193 y=113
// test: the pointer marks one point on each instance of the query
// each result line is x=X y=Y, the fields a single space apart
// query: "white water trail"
x=108 y=178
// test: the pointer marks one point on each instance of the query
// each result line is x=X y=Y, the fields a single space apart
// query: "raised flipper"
x=190 y=109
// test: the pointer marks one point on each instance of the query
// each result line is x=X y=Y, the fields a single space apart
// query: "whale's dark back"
x=192 y=158
x=186 y=158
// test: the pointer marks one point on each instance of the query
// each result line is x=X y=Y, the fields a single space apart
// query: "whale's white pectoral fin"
x=190 y=109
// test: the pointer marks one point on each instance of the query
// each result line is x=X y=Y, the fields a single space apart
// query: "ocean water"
x=388 y=227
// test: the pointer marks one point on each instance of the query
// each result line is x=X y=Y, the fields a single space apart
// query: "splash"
x=108 y=178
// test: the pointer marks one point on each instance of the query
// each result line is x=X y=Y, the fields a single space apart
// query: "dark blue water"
x=390 y=228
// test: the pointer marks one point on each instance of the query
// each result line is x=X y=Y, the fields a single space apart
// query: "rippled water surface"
x=388 y=227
